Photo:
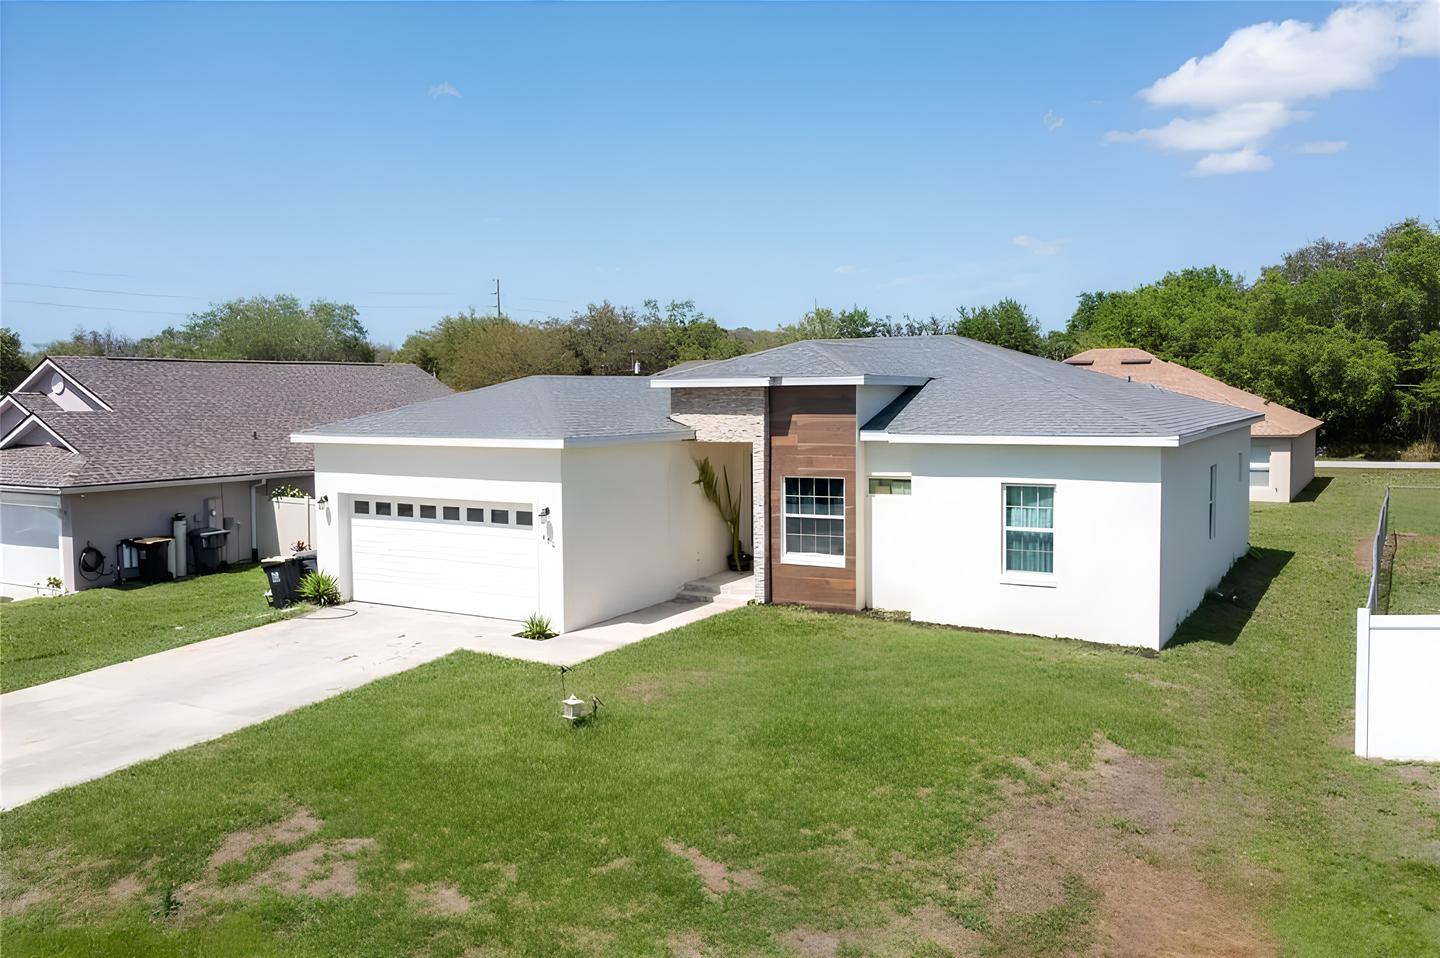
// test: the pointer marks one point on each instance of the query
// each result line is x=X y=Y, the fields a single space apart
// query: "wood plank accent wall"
x=812 y=433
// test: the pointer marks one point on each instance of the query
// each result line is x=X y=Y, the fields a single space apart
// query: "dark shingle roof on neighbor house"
x=965 y=388
x=544 y=408
x=194 y=419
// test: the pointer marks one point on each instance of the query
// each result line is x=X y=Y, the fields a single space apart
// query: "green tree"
x=269 y=327
x=603 y=339
x=822 y=322
x=14 y=364
x=94 y=342
x=1007 y=324
x=435 y=349
x=498 y=350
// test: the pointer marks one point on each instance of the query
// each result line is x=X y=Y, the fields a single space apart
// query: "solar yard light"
x=573 y=709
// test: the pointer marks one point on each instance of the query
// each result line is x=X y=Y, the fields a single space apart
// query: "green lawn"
x=1413 y=584
x=46 y=639
x=774 y=781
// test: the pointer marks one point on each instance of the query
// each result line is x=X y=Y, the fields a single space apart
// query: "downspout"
x=254 y=540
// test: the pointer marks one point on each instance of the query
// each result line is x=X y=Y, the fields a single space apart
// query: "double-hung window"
x=1030 y=529
x=814 y=520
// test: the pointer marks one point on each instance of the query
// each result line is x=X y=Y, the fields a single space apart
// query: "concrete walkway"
x=85 y=726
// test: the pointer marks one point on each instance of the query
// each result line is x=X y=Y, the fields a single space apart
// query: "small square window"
x=889 y=487
x=452 y=513
x=405 y=510
x=427 y=512
x=382 y=508
x=523 y=518
x=501 y=517
x=474 y=515
x=362 y=507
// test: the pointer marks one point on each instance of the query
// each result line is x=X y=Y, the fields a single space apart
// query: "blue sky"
x=754 y=158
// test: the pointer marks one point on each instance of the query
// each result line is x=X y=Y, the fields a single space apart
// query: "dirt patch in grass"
x=319 y=869
x=237 y=846
x=126 y=888
x=650 y=689
x=686 y=944
x=11 y=905
x=717 y=877
x=615 y=864
x=1094 y=859
x=1365 y=552
x=440 y=900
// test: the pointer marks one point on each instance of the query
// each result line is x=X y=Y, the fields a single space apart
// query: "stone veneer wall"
x=735 y=415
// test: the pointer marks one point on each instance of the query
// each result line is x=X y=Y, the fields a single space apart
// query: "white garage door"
x=478 y=558
x=30 y=553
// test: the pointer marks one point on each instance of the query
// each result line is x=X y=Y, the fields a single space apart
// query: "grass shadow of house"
x=1314 y=489
x=1227 y=607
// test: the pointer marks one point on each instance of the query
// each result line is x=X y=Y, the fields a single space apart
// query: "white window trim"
x=1044 y=580
x=810 y=558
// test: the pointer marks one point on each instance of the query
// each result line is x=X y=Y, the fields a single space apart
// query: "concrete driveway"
x=78 y=728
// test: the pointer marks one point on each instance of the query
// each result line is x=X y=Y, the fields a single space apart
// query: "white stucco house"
x=97 y=449
x=1282 y=442
x=963 y=483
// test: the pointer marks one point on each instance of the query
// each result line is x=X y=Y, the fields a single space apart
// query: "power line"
x=87 y=289
x=108 y=309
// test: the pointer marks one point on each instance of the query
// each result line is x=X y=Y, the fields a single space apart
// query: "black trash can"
x=307 y=562
x=206 y=544
x=283 y=575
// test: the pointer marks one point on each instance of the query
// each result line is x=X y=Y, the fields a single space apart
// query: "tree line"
x=1346 y=332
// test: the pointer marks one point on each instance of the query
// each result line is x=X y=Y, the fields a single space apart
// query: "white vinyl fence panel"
x=1397 y=686
x=286 y=521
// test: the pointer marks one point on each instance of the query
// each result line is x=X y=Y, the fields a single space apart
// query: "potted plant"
x=729 y=506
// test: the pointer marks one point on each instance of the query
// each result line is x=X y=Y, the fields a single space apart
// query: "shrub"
x=320 y=588
x=536 y=626
x=288 y=492
x=1423 y=450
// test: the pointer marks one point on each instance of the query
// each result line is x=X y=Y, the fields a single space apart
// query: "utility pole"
x=497 y=299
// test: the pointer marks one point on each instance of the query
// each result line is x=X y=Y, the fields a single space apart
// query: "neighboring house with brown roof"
x=97 y=449
x=1282 y=445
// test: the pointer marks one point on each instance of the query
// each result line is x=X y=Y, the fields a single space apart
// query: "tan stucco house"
x=1282 y=445
x=94 y=450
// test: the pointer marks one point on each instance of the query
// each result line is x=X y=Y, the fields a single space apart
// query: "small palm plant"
x=320 y=588
x=536 y=626
x=726 y=502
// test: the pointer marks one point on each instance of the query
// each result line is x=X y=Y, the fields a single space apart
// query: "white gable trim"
x=48 y=364
x=31 y=422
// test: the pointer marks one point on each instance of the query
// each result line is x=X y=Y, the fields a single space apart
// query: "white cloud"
x=1248 y=160
x=1324 y=147
x=1294 y=60
x=845 y=269
x=1248 y=88
x=444 y=88
x=1230 y=129
x=1051 y=121
x=1038 y=246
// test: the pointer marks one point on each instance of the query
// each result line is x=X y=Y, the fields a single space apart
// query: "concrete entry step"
x=726 y=588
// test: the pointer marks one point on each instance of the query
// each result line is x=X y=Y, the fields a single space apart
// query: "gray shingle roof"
x=191 y=419
x=979 y=390
x=538 y=407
